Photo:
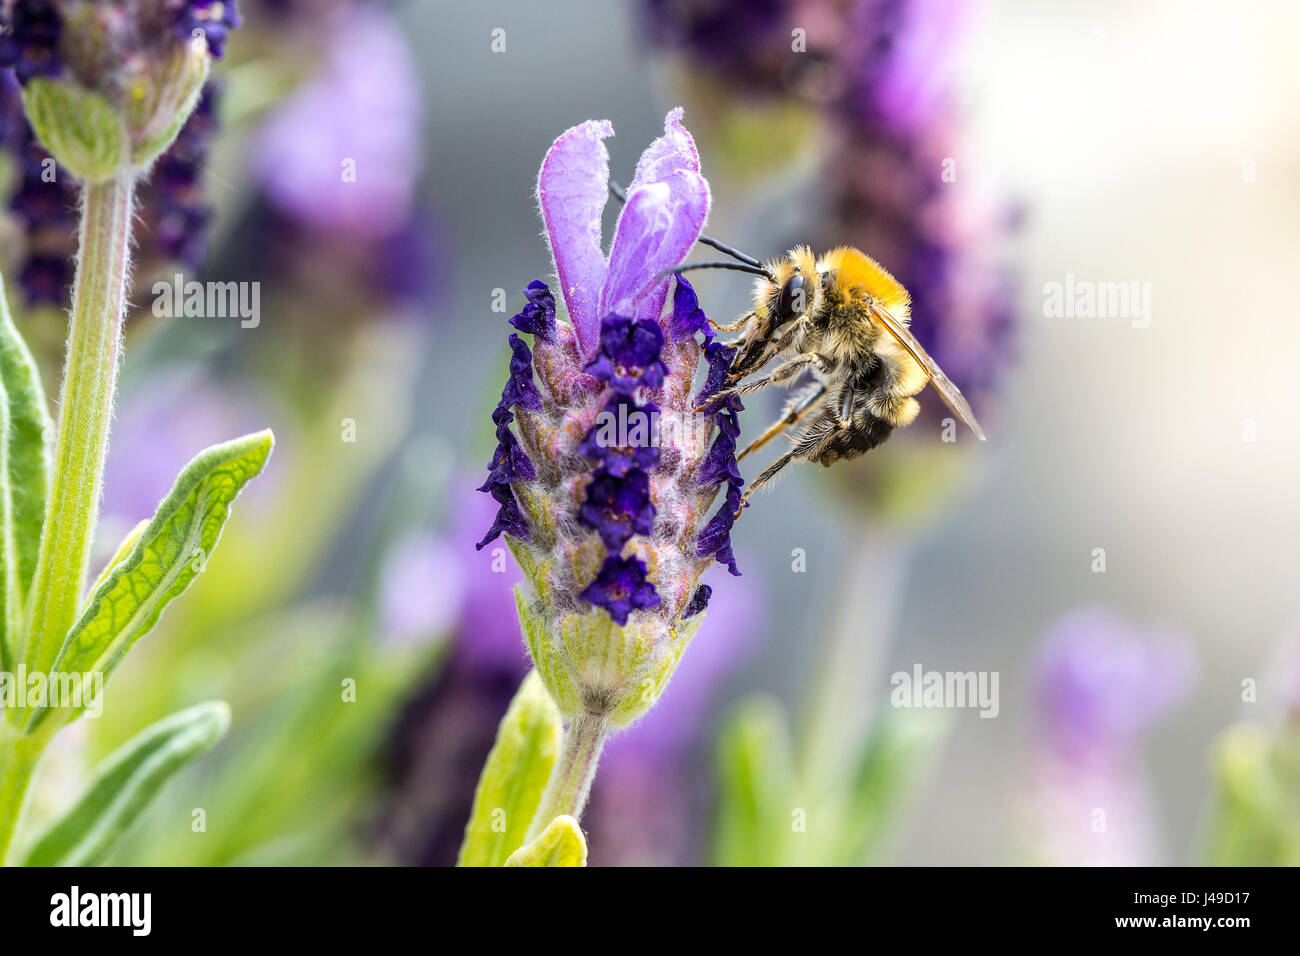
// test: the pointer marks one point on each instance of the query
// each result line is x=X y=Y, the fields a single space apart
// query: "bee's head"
x=794 y=287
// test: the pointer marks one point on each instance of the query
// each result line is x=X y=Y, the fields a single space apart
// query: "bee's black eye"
x=793 y=300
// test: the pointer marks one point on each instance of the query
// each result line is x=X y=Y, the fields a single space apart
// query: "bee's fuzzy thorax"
x=857 y=272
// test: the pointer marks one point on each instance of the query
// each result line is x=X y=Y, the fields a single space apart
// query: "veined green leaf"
x=168 y=554
x=120 y=554
x=560 y=844
x=26 y=459
x=510 y=787
x=125 y=784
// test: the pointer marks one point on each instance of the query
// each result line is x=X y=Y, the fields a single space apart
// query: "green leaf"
x=24 y=469
x=120 y=555
x=125 y=784
x=560 y=844
x=755 y=786
x=510 y=787
x=164 y=559
x=78 y=126
x=894 y=759
x=11 y=593
x=1255 y=815
x=158 y=116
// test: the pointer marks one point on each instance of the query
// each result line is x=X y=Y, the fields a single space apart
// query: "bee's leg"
x=734 y=326
x=794 y=411
x=782 y=373
x=766 y=475
x=845 y=403
x=784 y=343
x=751 y=360
x=763 y=351
x=805 y=446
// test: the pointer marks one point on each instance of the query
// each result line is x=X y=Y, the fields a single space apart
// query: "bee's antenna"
x=722 y=247
x=727 y=250
x=735 y=266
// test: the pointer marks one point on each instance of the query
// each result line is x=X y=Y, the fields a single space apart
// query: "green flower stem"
x=570 y=783
x=20 y=755
x=838 y=711
x=85 y=410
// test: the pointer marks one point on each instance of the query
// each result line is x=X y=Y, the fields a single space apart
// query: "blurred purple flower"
x=747 y=42
x=430 y=588
x=29 y=37
x=176 y=209
x=422 y=589
x=338 y=164
x=900 y=60
x=445 y=732
x=13 y=123
x=1100 y=685
x=898 y=195
x=488 y=629
x=215 y=19
x=161 y=424
x=343 y=153
x=647 y=804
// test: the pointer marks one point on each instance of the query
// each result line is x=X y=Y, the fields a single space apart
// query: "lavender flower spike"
x=605 y=473
x=107 y=86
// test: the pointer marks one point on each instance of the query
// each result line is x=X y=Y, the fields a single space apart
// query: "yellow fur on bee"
x=856 y=269
x=910 y=378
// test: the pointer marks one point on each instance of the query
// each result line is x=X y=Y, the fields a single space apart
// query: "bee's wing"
x=950 y=393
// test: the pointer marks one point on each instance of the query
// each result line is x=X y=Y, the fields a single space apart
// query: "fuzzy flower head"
x=604 y=472
x=108 y=84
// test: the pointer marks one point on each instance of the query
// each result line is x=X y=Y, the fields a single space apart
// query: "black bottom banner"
x=335 y=906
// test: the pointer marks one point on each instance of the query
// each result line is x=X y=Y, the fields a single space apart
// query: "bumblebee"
x=843 y=319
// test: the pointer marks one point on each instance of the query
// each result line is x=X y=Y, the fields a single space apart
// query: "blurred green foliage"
x=1255 y=820
x=770 y=814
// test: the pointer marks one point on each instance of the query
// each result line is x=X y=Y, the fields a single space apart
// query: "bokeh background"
x=1153 y=144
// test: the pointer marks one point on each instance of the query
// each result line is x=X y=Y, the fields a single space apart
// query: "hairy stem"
x=85 y=410
x=20 y=755
x=566 y=792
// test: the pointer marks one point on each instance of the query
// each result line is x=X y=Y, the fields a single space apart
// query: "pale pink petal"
x=657 y=228
x=572 y=188
x=656 y=231
x=672 y=151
